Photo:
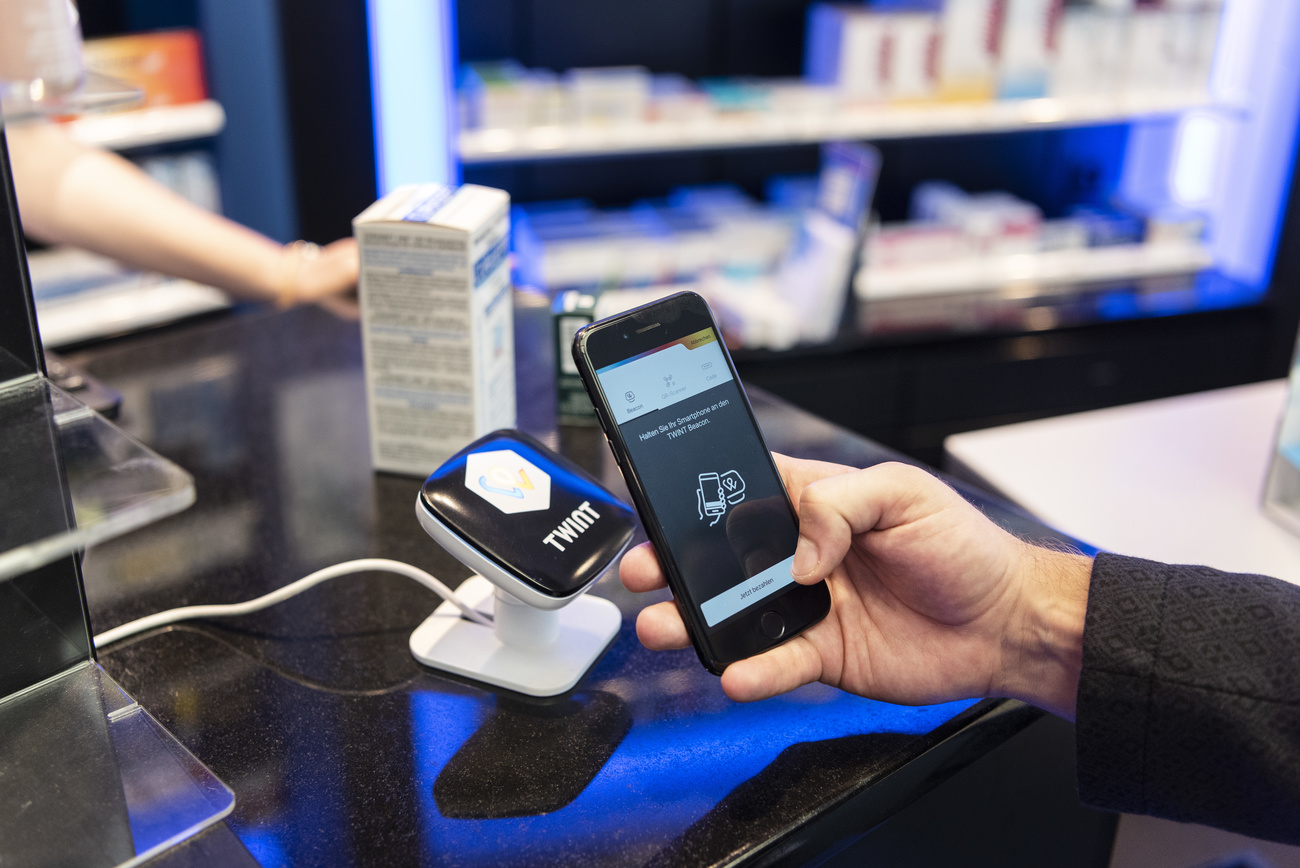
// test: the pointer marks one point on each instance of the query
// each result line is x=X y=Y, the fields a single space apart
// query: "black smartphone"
x=710 y=497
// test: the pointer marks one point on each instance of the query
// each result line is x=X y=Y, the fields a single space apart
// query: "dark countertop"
x=342 y=750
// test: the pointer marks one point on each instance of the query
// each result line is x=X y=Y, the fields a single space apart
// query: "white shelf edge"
x=150 y=126
x=766 y=129
x=1094 y=264
x=126 y=308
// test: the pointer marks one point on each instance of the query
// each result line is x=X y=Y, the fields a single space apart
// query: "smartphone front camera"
x=624 y=335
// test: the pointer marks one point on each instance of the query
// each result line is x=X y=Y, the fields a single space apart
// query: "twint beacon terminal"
x=538 y=531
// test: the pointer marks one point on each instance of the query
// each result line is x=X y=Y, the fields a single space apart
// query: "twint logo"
x=508 y=481
x=578 y=521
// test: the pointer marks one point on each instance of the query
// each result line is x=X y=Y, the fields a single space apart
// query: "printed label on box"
x=437 y=322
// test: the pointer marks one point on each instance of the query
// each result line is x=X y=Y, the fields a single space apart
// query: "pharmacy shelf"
x=82 y=296
x=142 y=302
x=1024 y=272
x=150 y=126
x=766 y=129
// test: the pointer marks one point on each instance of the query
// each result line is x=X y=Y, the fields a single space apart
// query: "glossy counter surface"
x=342 y=750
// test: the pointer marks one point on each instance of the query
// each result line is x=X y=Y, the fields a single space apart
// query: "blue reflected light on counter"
x=412 y=58
x=662 y=777
x=264 y=843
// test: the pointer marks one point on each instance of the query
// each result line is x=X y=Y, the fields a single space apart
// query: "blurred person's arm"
x=90 y=198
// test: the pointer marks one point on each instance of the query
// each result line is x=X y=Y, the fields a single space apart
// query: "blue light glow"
x=1232 y=160
x=1255 y=77
x=1196 y=156
x=1209 y=290
x=264 y=844
x=412 y=58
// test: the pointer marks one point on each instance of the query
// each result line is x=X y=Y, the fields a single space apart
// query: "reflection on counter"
x=528 y=759
x=729 y=744
x=167 y=556
x=324 y=522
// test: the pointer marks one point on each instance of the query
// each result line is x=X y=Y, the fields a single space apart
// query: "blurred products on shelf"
x=1010 y=49
x=862 y=56
x=776 y=272
x=959 y=242
x=167 y=65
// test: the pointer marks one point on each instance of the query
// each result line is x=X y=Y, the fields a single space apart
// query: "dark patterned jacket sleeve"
x=1189 y=701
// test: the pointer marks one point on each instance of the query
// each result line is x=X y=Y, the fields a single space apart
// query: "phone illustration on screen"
x=712 y=502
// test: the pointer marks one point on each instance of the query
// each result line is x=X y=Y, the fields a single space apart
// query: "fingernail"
x=805 y=558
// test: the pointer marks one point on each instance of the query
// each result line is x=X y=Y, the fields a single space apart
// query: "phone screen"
x=704 y=469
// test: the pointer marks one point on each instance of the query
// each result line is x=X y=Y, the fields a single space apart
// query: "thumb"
x=824 y=531
x=835 y=509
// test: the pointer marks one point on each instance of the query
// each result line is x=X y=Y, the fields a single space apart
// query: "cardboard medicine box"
x=436 y=322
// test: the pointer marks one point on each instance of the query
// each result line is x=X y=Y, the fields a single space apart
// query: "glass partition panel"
x=19 y=345
x=92 y=779
x=89 y=777
x=114 y=483
x=1282 y=484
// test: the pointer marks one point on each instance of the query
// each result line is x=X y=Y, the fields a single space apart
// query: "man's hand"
x=930 y=601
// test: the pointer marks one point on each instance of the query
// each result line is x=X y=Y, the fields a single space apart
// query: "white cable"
x=186 y=613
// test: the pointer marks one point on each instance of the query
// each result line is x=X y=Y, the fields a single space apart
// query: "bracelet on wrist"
x=288 y=282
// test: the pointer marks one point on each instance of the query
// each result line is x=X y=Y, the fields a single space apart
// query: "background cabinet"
x=1084 y=346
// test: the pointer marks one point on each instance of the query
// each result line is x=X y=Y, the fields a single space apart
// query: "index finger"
x=777 y=670
x=640 y=570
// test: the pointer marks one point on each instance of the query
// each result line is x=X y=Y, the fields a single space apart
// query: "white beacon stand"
x=538 y=532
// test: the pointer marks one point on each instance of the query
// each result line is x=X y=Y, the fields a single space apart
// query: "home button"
x=772 y=624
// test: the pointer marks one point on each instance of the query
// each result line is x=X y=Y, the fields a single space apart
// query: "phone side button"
x=772 y=625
